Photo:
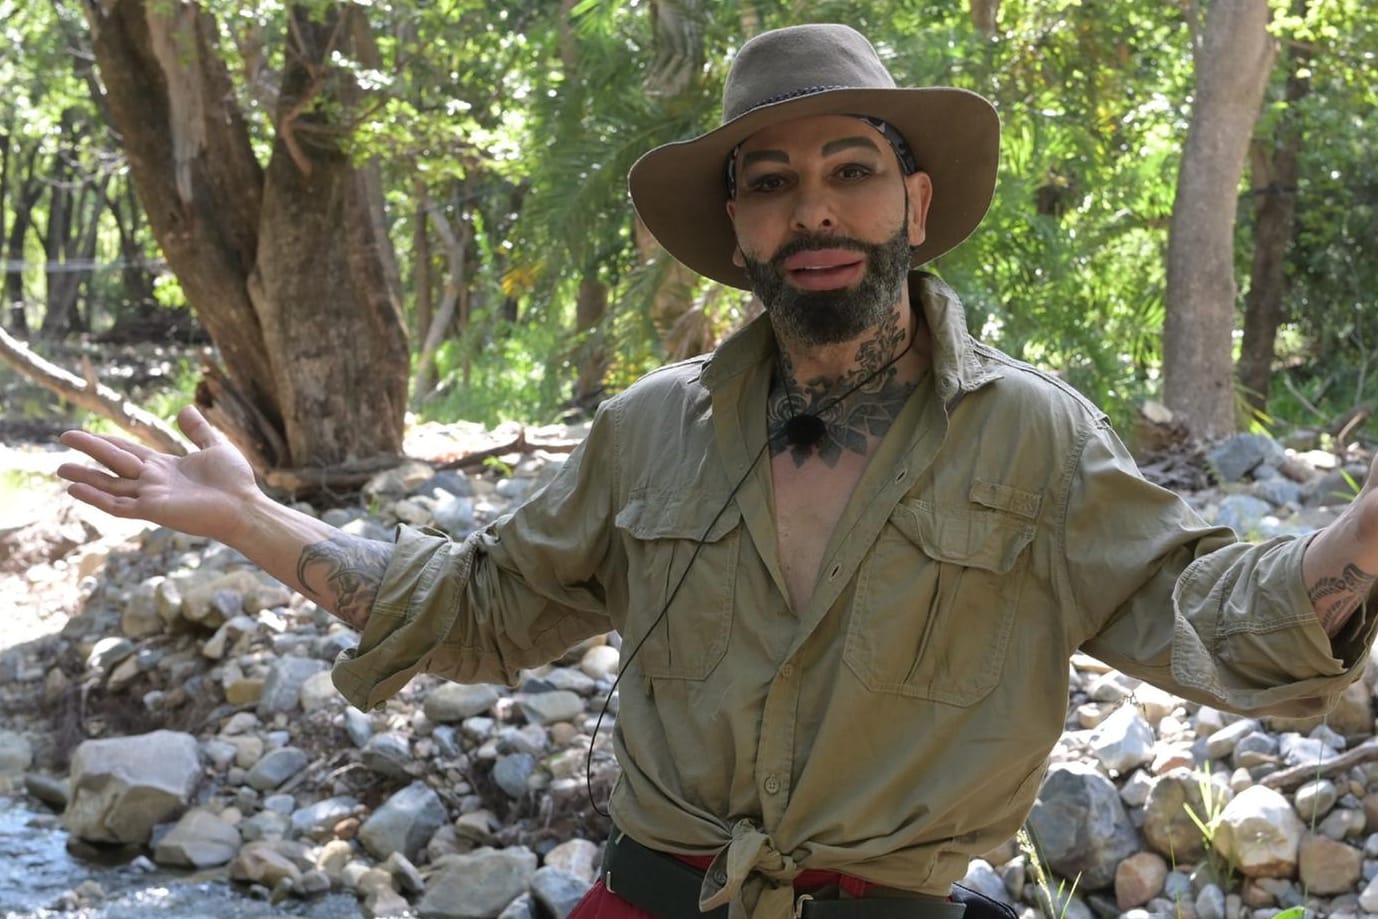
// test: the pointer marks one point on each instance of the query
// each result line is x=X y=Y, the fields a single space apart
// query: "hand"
x=1340 y=565
x=205 y=493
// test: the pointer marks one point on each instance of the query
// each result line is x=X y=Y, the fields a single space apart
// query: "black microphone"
x=804 y=430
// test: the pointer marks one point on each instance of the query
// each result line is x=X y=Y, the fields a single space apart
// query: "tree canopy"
x=500 y=136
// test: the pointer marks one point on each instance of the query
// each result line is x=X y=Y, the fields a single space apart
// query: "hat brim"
x=679 y=190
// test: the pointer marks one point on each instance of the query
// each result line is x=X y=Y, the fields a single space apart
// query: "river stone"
x=550 y=707
x=578 y=857
x=1368 y=897
x=558 y=892
x=16 y=754
x=318 y=691
x=1138 y=879
x=1258 y=748
x=123 y=786
x=139 y=617
x=404 y=822
x=453 y=702
x=1123 y=740
x=477 y=885
x=199 y=840
x=1314 y=800
x=231 y=631
x=1221 y=744
x=276 y=767
x=1327 y=867
x=262 y=863
x=455 y=514
x=1235 y=457
x=520 y=908
x=282 y=687
x=511 y=772
x=317 y=821
x=601 y=662
x=982 y=878
x=1304 y=751
x=388 y=754
x=1082 y=825
x=214 y=602
x=1259 y=833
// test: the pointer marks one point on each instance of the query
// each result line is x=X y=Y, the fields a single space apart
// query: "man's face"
x=825 y=220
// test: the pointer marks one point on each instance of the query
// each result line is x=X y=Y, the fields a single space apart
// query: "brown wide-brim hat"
x=680 y=189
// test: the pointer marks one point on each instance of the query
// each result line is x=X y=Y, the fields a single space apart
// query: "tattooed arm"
x=1341 y=564
x=211 y=492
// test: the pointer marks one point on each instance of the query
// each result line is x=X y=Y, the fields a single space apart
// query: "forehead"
x=811 y=133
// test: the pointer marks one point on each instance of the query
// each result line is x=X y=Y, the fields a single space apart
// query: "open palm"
x=203 y=493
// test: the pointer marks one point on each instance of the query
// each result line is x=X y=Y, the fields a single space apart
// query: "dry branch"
x=91 y=394
x=1287 y=778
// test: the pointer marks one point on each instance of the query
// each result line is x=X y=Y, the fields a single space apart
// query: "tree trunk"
x=1275 y=176
x=285 y=267
x=592 y=356
x=1232 y=64
x=26 y=196
x=984 y=14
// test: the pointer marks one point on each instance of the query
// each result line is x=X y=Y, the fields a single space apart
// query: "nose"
x=812 y=210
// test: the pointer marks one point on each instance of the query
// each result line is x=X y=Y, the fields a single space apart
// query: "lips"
x=824 y=269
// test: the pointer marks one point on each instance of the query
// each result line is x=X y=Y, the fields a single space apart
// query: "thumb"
x=198 y=429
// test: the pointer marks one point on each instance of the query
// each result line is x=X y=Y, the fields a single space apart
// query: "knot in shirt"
x=750 y=876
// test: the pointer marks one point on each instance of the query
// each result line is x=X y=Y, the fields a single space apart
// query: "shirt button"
x=786 y=670
x=772 y=785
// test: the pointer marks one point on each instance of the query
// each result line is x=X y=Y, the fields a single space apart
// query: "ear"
x=737 y=258
x=920 y=197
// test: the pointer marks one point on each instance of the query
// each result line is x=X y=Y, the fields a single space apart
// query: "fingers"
x=95 y=478
x=196 y=427
x=114 y=505
x=119 y=456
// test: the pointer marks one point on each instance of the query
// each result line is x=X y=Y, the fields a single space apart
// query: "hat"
x=680 y=189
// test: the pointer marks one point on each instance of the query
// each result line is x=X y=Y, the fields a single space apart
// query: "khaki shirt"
x=899 y=724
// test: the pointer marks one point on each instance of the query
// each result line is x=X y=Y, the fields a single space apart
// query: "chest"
x=810 y=499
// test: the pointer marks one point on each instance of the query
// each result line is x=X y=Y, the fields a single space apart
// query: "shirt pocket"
x=664 y=538
x=936 y=601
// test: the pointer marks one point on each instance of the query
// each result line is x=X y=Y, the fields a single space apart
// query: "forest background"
x=375 y=208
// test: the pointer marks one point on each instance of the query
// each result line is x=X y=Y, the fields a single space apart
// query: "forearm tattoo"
x=343 y=573
x=1336 y=598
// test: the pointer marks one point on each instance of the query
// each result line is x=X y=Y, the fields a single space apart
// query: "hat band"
x=908 y=164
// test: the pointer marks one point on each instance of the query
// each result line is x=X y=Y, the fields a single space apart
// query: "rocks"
x=121 y=787
x=478 y=885
x=1260 y=834
x=199 y=840
x=276 y=767
x=404 y=822
x=1327 y=867
x=1081 y=824
x=453 y=702
x=282 y=688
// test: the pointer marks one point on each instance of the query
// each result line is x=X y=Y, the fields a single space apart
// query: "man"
x=849 y=553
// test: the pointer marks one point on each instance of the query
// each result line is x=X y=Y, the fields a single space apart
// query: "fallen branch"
x=1288 y=778
x=520 y=444
x=93 y=395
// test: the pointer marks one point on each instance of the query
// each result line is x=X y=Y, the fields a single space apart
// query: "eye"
x=853 y=171
x=767 y=183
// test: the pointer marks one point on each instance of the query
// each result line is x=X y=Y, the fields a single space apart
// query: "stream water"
x=36 y=870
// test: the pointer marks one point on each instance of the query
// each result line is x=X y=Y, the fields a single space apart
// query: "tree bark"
x=591 y=353
x=286 y=267
x=26 y=196
x=1233 y=60
x=1275 y=176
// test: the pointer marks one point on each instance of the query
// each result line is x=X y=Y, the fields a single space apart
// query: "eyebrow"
x=829 y=149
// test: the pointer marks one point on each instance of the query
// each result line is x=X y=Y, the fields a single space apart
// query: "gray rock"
x=453 y=702
x=388 y=754
x=578 y=857
x=455 y=515
x=404 y=822
x=1243 y=514
x=1222 y=743
x=1327 y=867
x=520 y=908
x=557 y=891
x=123 y=786
x=511 y=772
x=601 y=662
x=276 y=767
x=108 y=652
x=317 y=821
x=318 y=691
x=16 y=754
x=571 y=680
x=139 y=617
x=1278 y=492
x=404 y=873
x=1236 y=456
x=982 y=878
x=529 y=738
x=1123 y=741
x=282 y=688
x=550 y=707
x=1304 y=751
x=1259 y=833
x=358 y=726
x=51 y=791
x=478 y=885
x=1257 y=749
x=1210 y=902
x=199 y=840
x=1314 y=800
x=1081 y=824
x=395 y=483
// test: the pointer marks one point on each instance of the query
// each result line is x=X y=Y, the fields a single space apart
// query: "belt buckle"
x=799 y=902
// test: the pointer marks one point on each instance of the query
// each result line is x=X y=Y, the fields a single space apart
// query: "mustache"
x=813 y=243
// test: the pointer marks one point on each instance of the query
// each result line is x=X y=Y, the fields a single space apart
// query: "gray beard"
x=828 y=317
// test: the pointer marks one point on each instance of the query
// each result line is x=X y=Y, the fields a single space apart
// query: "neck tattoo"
x=826 y=426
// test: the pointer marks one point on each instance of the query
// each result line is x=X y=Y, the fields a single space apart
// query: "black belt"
x=667 y=888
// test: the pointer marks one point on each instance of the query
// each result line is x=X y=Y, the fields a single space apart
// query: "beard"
x=828 y=317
